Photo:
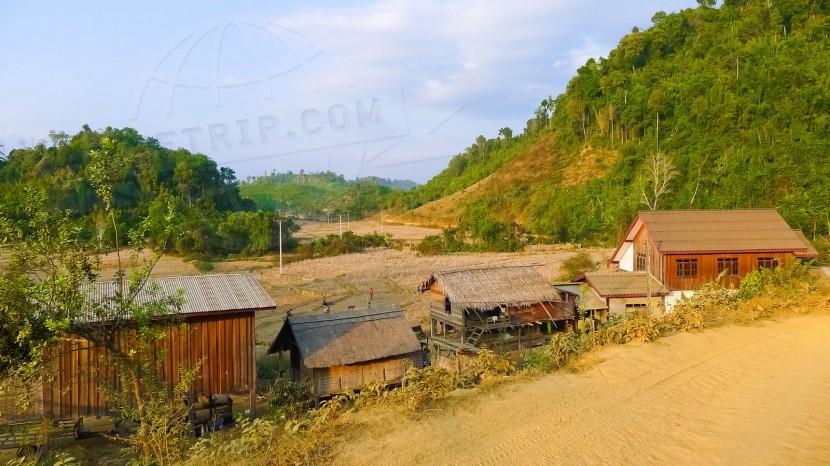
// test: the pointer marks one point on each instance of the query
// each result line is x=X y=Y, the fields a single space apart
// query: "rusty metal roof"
x=489 y=287
x=623 y=284
x=720 y=231
x=202 y=293
x=348 y=337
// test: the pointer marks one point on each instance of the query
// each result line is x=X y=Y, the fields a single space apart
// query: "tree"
x=42 y=300
x=660 y=171
x=507 y=133
x=481 y=143
x=58 y=139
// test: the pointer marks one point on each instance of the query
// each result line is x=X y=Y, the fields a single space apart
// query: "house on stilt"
x=501 y=308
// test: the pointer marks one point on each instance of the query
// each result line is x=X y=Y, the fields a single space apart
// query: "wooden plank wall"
x=707 y=268
x=226 y=342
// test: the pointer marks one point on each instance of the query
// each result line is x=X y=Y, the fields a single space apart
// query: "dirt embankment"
x=735 y=395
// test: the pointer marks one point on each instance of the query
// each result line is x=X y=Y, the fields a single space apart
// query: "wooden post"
x=252 y=330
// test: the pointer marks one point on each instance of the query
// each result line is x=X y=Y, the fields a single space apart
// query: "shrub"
x=431 y=245
x=579 y=263
x=204 y=266
x=486 y=367
x=535 y=360
x=289 y=400
x=423 y=386
x=642 y=328
x=683 y=318
x=564 y=348
x=263 y=442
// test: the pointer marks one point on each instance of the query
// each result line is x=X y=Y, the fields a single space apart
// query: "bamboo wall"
x=336 y=379
x=225 y=344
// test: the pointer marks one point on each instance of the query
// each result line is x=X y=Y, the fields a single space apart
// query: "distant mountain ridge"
x=317 y=192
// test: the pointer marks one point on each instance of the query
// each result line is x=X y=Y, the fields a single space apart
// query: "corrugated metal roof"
x=720 y=230
x=810 y=251
x=348 y=337
x=489 y=287
x=622 y=283
x=201 y=293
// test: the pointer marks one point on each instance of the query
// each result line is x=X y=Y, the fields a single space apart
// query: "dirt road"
x=735 y=395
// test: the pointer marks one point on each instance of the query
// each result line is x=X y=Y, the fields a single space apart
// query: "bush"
x=579 y=263
x=263 y=442
x=334 y=245
x=422 y=386
x=204 y=266
x=564 y=348
x=485 y=368
x=683 y=318
x=289 y=400
x=431 y=245
x=642 y=328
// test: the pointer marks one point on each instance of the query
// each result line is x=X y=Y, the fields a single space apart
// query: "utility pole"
x=648 y=273
x=341 y=226
x=280 y=247
x=381 y=222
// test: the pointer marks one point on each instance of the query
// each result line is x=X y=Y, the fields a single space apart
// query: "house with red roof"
x=683 y=249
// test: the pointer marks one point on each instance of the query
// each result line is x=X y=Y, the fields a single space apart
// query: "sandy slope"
x=736 y=395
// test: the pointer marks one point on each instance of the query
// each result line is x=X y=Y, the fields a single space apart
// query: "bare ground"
x=399 y=231
x=346 y=280
x=733 y=395
x=393 y=274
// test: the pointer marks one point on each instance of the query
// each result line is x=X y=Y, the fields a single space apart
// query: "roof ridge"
x=491 y=267
x=344 y=315
x=127 y=279
x=751 y=209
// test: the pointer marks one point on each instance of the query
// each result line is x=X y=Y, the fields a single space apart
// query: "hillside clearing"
x=733 y=395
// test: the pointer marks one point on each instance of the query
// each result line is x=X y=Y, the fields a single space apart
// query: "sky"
x=389 y=88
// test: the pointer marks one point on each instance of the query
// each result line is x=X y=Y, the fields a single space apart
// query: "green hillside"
x=149 y=184
x=315 y=194
x=740 y=94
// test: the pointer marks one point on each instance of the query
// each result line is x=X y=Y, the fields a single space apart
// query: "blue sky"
x=388 y=88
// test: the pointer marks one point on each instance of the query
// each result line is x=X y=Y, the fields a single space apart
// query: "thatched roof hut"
x=490 y=287
x=341 y=350
x=506 y=306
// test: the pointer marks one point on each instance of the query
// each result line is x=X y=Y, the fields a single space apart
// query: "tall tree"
x=659 y=172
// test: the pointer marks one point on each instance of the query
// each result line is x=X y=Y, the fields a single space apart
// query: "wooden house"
x=683 y=249
x=338 y=351
x=217 y=327
x=622 y=292
x=508 y=307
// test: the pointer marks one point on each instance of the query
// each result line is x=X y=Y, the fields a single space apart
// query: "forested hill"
x=314 y=194
x=741 y=97
x=148 y=181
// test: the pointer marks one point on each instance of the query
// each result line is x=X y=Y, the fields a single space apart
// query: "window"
x=640 y=263
x=635 y=307
x=767 y=263
x=730 y=264
x=686 y=268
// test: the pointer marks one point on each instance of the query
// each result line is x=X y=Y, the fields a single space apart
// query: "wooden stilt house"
x=338 y=351
x=503 y=308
